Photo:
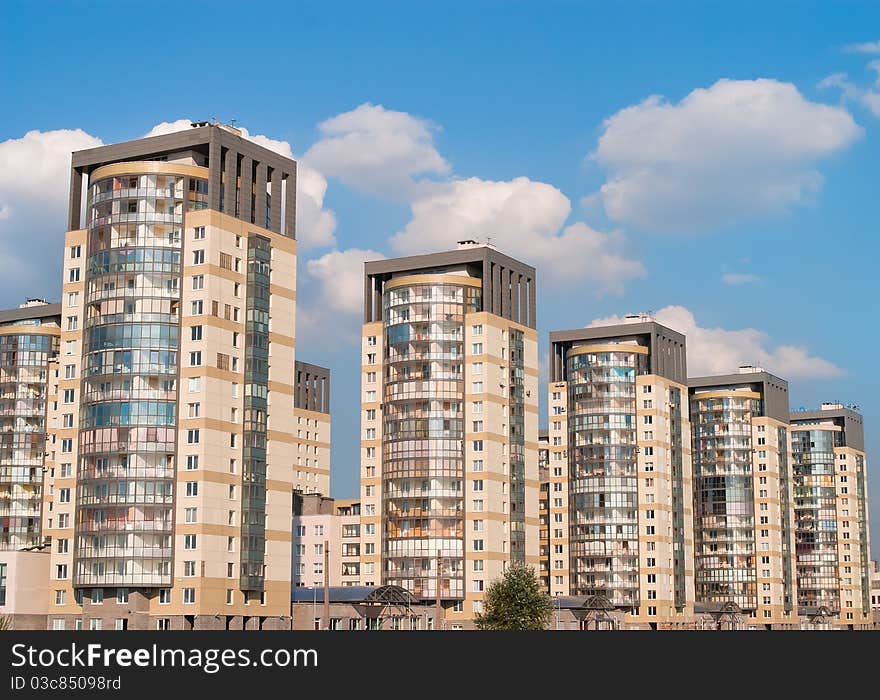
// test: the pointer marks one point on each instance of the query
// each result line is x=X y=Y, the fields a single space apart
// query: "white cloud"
x=720 y=351
x=163 y=128
x=736 y=278
x=330 y=308
x=34 y=187
x=523 y=218
x=867 y=47
x=738 y=148
x=377 y=150
x=867 y=96
x=315 y=225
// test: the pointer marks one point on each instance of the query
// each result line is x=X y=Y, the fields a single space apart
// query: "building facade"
x=832 y=543
x=311 y=410
x=543 y=570
x=449 y=481
x=28 y=345
x=326 y=541
x=621 y=451
x=743 y=496
x=176 y=464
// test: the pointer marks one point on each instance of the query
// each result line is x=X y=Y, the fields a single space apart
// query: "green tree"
x=516 y=602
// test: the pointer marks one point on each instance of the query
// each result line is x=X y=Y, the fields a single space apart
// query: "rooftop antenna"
x=232 y=122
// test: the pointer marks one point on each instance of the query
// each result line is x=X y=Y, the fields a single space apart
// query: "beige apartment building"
x=543 y=569
x=743 y=497
x=621 y=529
x=29 y=338
x=832 y=543
x=326 y=541
x=449 y=480
x=175 y=447
x=311 y=410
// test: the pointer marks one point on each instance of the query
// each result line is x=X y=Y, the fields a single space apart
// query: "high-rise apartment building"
x=743 y=496
x=28 y=345
x=831 y=514
x=311 y=410
x=449 y=419
x=544 y=509
x=176 y=391
x=621 y=447
x=326 y=541
x=28 y=349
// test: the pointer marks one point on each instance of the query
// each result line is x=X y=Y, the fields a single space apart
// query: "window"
x=189 y=541
x=476 y=387
x=64 y=496
x=193 y=409
x=96 y=624
x=189 y=595
x=646 y=389
x=60 y=595
x=75 y=251
x=478 y=485
x=69 y=396
x=196 y=333
x=194 y=385
x=477 y=330
x=97 y=596
x=195 y=358
x=478 y=445
x=73 y=276
x=198 y=257
x=478 y=465
x=371 y=340
x=163 y=623
x=121 y=595
x=192 y=436
x=477 y=349
x=198 y=307
x=478 y=545
x=66 y=445
x=191 y=514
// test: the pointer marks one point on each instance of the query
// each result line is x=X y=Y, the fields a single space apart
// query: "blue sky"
x=532 y=123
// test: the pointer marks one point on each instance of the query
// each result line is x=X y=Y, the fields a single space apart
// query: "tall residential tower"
x=620 y=447
x=743 y=501
x=449 y=481
x=831 y=514
x=177 y=386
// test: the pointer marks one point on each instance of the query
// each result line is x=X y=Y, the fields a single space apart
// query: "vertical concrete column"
x=532 y=320
x=260 y=201
x=496 y=289
x=523 y=300
x=290 y=205
x=505 y=293
x=368 y=299
x=214 y=171
x=74 y=209
x=230 y=181
x=245 y=211
x=275 y=203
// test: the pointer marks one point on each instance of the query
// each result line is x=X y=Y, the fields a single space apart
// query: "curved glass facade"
x=724 y=516
x=24 y=359
x=603 y=482
x=423 y=456
x=815 y=513
x=128 y=408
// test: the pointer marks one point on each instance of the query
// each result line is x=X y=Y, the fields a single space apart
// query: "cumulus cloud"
x=34 y=186
x=738 y=148
x=866 y=95
x=378 y=150
x=867 y=47
x=333 y=297
x=720 y=351
x=737 y=278
x=315 y=225
x=524 y=219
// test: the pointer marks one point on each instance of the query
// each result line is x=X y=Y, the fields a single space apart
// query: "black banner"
x=122 y=664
